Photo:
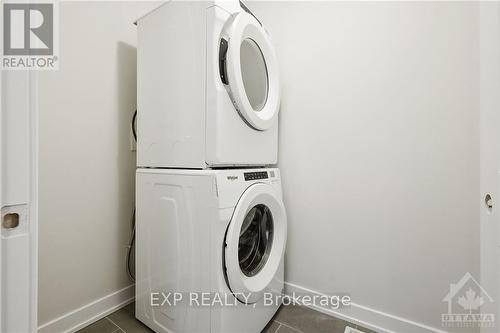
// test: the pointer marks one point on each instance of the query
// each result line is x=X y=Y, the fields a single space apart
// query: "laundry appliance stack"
x=211 y=225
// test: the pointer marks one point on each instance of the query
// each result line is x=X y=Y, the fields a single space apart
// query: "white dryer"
x=208 y=91
x=218 y=233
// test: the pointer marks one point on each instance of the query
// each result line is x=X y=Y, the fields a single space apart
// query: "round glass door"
x=254 y=74
x=256 y=240
x=249 y=70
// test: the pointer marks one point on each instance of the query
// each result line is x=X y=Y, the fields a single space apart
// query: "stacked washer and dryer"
x=211 y=225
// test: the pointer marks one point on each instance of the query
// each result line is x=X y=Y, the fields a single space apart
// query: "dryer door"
x=249 y=70
x=255 y=242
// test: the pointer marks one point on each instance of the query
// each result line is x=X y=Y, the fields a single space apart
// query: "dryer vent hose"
x=132 y=233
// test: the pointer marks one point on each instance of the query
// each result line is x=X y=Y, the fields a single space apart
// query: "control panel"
x=256 y=175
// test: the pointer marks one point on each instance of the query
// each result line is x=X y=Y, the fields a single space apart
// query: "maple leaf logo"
x=470 y=301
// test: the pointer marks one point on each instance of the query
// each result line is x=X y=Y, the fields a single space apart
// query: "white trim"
x=364 y=316
x=90 y=313
x=33 y=196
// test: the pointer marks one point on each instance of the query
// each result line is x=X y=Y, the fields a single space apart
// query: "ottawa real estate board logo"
x=30 y=39
x=468 y=304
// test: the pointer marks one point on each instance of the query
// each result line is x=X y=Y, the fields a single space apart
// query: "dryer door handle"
x=222 y=60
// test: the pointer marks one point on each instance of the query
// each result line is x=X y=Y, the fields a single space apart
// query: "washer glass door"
x=249 y=70
x=255 y=242
x=256 y=239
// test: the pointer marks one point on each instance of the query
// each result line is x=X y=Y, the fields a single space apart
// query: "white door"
x=489 y=200
x=255 y=242
x=18 y=233
x=249 y=70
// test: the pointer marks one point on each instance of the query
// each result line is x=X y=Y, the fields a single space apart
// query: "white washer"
x=220 y=233
x=208 y=91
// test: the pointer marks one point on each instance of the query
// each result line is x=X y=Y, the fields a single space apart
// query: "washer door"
x=255 y=242
x=249 y=70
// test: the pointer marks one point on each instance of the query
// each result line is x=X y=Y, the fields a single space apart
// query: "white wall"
x=379 y=149
x=86 y=166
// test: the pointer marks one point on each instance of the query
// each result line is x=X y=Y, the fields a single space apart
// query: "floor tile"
x=289 y=319
x=272 y=327
x=131 y=308
x=125 y=319
x=310 y=321
x=286 y=329
x=100 y=326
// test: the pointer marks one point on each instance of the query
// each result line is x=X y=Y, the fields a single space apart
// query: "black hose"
x=129 y=250
x=132 y=235
x=134 y=125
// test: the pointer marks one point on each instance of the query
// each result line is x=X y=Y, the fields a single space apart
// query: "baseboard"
x=370 y=318
x=89 y=313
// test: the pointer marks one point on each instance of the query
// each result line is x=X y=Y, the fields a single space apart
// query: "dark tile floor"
x=299 y=319
x=289 y=319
